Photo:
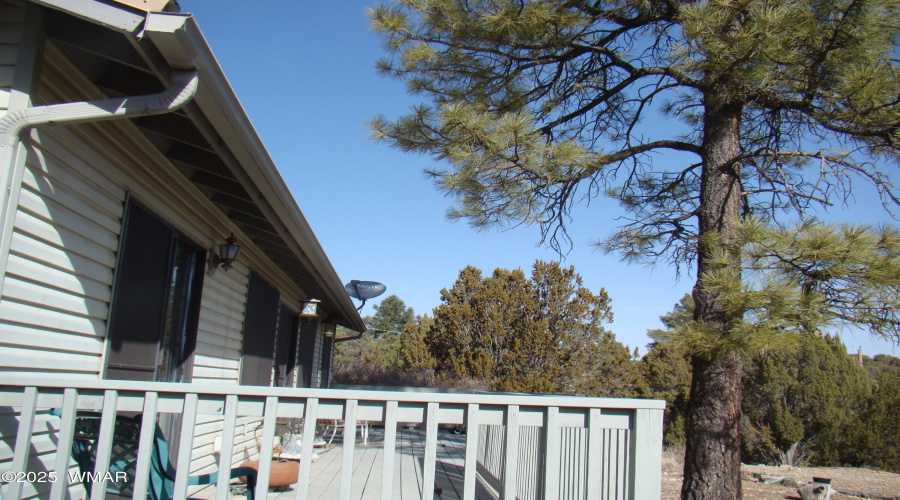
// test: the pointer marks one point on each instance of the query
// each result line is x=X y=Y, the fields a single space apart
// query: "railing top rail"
x=341 y=394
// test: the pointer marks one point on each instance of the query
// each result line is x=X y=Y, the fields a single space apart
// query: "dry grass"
x=673 y=459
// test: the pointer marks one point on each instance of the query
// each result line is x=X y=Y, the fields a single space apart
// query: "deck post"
x=310 y=419
x=390 y=450
x=595 y=454
x=23 y=440
x=105 y=440
x=646 y=455
x=270 y=416
x=511 y=458
x=145 y=445
x=551 y=453
x=349 y=443
x=185 y=445
x=429 y=466
x=471 y=469
x=226 y=452
x=58 y=490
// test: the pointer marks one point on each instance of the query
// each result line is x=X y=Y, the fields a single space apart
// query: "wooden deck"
x=325 y=476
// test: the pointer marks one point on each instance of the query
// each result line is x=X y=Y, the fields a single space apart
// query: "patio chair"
x=124 y=458
x=162 y=473
x=123 y=453
x=339 y=424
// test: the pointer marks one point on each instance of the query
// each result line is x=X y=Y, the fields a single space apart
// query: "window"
x=286 y=347
x=156 y=301
x=260 y=322
x=308 y=333
x=327 y=358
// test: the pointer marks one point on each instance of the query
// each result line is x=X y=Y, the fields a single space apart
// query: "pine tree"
x=391 y=316
x=388 y=324
x=875 y=439
x=375 y=358
x=781 y=106
x=414 y=353
x=537 y=334
x=803 y=403
x=807 y=404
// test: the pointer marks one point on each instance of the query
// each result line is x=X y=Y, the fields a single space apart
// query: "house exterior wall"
x=56 y=291
x=58 y=287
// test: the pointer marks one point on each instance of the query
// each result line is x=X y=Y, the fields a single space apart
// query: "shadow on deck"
x=325 y=476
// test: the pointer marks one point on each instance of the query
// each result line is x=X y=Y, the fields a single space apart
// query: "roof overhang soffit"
x=256 y=195
x=180 y=42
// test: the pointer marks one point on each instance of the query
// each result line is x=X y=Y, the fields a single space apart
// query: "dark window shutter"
x=139 y=301
x=259 y=332
x=327 y=355
x=286 y=347
x=308 y=330
x=292 y=348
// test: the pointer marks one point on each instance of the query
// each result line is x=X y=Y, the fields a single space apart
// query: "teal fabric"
x=162 y=473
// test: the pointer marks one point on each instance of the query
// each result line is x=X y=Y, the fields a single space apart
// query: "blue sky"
x=304 y=72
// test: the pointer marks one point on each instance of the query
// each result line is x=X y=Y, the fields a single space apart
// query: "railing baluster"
x=145 y=445
x=606 y=476
x=621 y=470
x=23 y=440
x=64 y=445
x=185 y=445
x=610 y=471
x=470 y=471
x=430 y=450
x=594 y=454
x=226 y=453
x=265 y=447
x=390 y=450
x=551 y=453
x=105 y=442
x=349 y=445
x=310 y=418
x=511 y=458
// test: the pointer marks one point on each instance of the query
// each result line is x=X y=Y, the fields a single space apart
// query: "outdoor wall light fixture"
x=310 y=309
x=228 y=253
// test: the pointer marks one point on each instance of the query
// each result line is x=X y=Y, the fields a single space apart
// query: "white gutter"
x=16 y=124
x=98 y=13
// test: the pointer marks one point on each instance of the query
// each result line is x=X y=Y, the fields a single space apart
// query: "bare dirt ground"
x=876 y=484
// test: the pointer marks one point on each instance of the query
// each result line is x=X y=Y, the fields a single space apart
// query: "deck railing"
x=532 y=446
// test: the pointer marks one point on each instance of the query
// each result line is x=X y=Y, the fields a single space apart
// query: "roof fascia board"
x=99 y=13
x=145 y=5
x=180 y=41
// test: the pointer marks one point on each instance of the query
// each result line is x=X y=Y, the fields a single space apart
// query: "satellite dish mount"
x=364 y=290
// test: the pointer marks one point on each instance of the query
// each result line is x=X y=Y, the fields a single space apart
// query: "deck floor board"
x=325 y=474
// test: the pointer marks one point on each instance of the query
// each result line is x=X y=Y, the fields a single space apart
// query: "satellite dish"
x=364 y=290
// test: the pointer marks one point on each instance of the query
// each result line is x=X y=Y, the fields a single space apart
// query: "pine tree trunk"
x=712 y=457
x=712 y=464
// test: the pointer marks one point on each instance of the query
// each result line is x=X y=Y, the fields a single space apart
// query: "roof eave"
x=180 y=41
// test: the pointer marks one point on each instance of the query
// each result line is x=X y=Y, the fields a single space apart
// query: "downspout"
x=13 y=127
